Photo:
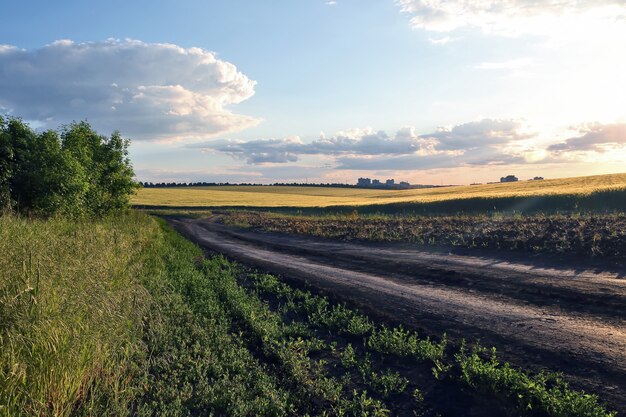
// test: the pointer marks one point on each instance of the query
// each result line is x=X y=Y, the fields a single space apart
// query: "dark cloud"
x=596 y=137
x=357 y=142
x=256 y=151
x=148 y=91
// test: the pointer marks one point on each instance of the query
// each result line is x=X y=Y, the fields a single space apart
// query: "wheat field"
x=271 y=196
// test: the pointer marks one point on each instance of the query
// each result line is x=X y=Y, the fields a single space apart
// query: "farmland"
x=548 y=192
x=588 y=235
x=150 y=326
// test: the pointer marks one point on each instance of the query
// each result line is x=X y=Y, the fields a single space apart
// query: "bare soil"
x=540 y=312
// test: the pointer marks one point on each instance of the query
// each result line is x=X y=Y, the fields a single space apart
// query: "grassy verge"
x=123 y=316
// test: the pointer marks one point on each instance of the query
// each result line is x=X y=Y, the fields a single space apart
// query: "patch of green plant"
x=404 y=343
x=540 y=392
x=197 y=364
x=384 y=383
x=361 y=405
x=532 y=394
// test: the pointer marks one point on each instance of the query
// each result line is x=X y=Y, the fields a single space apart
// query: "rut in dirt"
x=539 y=315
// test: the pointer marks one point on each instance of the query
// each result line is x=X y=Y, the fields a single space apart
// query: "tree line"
x=71 y=171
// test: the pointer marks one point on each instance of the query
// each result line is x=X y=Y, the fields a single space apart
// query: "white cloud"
x=147 y=91
x=479 y=134
x=511 y=17
x=595 y=137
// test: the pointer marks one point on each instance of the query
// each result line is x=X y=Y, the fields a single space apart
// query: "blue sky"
x=440 y=91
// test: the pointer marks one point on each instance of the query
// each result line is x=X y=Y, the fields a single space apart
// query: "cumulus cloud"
x=594 y=137
x=484 y=142
x=507 y=17
x=480 y=134
x=148 y=91
x=475 y=143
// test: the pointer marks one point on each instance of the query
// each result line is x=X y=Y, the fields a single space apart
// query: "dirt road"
x=538 y=313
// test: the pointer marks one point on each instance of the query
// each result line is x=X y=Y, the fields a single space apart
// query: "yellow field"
x=268 y=196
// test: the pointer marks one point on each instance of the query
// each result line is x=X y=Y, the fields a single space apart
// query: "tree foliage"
x=74 y=171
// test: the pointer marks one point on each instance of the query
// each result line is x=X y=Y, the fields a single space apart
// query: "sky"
x=425 y=91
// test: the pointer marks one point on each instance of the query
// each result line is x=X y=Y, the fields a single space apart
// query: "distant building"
x=390 y=184
x=509 y=178
x=364 y=182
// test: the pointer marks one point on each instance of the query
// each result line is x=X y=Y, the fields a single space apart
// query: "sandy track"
x=538 y=314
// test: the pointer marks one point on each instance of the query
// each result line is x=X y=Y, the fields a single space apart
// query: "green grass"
x=71 y=304
x=602 y=192
x=122 y=316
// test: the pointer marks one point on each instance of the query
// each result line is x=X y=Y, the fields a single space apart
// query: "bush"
x=73 y=172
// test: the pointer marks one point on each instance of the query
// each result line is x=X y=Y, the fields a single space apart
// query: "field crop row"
x=595 y=235
x=573 y=190
x=597 y=194
x=473 y=374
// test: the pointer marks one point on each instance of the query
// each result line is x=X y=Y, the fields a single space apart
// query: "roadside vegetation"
x=592 y=235
x=122 y=316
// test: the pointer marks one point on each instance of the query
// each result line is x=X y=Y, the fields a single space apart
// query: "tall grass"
x=71 y=307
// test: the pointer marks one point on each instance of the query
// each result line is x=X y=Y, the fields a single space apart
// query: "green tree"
x=56 y=182
x=78 y=172
x=6 y=158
